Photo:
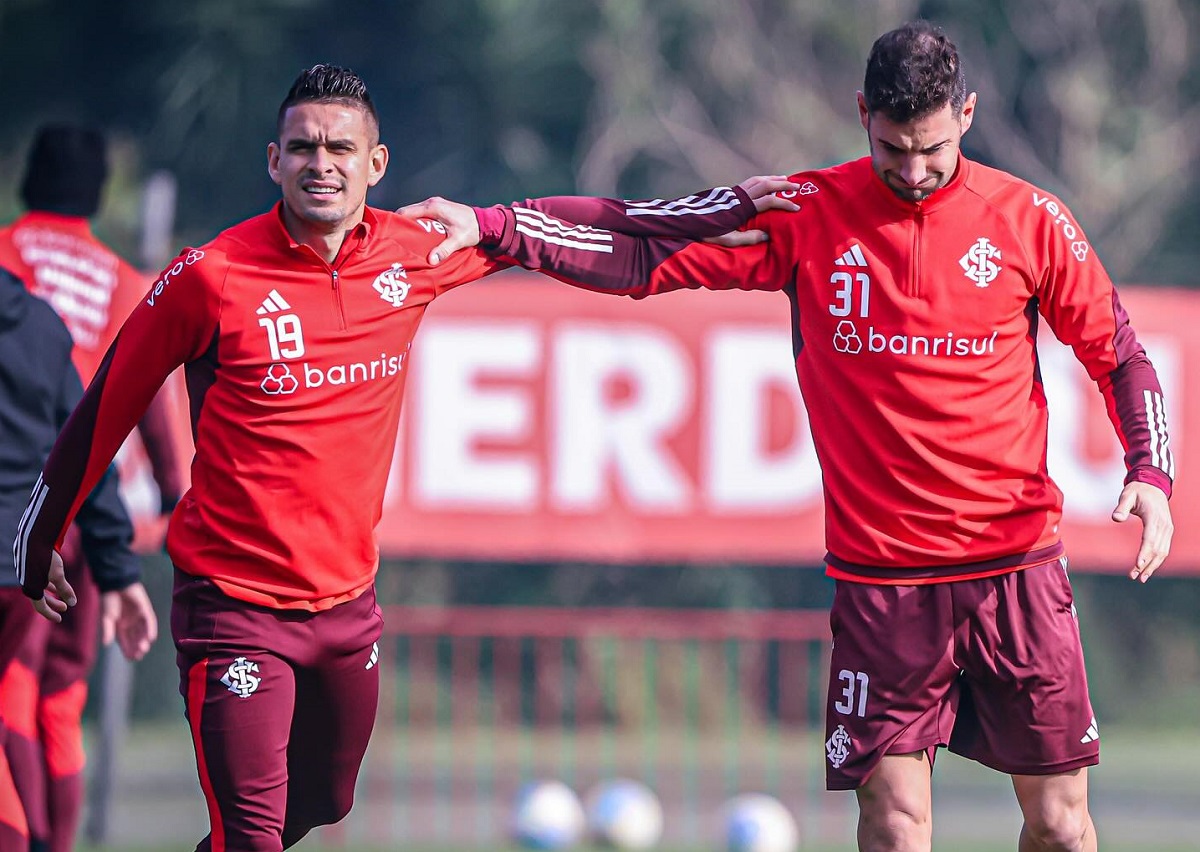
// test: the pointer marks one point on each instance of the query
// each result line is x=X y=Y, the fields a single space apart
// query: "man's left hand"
x=1150 y=504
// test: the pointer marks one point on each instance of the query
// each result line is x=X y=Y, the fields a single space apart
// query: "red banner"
x=543 y=422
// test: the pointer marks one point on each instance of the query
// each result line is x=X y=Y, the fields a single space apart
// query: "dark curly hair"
x=330 y=84
x=913 y=71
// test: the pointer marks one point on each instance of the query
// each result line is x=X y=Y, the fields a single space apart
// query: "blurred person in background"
x=916 y=279
x=294 y=329
x=53 y=250
x=39 y=387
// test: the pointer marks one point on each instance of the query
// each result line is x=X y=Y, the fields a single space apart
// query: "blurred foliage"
x=492 y=100
x=477 y=102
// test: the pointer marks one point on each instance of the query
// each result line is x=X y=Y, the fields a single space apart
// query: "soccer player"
x=294 y=330
x=917 y=279
x=38 y=388
x=53 y=250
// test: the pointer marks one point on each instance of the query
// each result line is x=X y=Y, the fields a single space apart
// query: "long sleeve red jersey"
x=93 y=290
x=88 y=285
x=295 y=370
x=914 y=330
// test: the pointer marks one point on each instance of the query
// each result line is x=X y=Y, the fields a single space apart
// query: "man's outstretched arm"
x=536 y=236
x=707 y=214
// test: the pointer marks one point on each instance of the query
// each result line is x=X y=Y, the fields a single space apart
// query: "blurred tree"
x=491 y=100
x=480 y=100
x=1097 y=100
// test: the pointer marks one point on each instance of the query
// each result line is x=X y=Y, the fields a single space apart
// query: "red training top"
x=295 y=370
x=88 y=285
x=914 y=330
x=93 y=290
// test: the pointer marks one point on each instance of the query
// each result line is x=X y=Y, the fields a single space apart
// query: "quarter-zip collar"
x=940 y=198
x=355 y=240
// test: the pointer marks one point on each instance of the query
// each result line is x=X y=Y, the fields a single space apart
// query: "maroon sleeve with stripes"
x=709 y=213
x=539 y=237
x=173 y=324
x=1081 y=305
x=1134 y=399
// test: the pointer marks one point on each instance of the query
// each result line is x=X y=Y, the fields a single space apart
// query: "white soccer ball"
x=547 y=815
x=756 y=822
x=624 y=814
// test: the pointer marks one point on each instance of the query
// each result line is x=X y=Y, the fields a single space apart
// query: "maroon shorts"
x=991 y=668
x=281 y=704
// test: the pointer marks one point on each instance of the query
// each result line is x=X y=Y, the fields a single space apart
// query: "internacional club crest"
x=977 y=262
x=242 y=677
x=837 y=747
x=392 y=285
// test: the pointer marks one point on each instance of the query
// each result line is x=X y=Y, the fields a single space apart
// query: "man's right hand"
x=58 y=595
x=127 y=616
x=462 y=228
x=763 y=189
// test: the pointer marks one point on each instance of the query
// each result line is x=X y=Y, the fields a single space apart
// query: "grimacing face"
x=327 y=156
x=918 y=157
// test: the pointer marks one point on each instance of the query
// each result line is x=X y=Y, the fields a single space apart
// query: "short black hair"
x=66 y=170
x=329 y=84
x=914 y=71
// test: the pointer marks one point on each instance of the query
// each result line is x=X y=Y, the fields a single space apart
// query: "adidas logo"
x=274 y=303
x=374 y=656
x=1093 y=733
x=853 y=257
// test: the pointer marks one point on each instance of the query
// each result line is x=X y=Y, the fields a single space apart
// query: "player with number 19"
x=294 y=330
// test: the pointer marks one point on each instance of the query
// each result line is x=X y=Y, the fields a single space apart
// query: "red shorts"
x=991 y=668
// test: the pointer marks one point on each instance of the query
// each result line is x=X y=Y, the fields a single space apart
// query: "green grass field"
x=311 y=847
x=1145 y=795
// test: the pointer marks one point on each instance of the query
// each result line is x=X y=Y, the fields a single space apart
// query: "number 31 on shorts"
x=854 y=693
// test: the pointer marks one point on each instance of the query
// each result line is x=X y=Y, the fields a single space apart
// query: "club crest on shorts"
x=240 y=677
x=837 y=747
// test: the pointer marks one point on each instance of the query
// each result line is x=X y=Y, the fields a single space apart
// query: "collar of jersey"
x=71 y=224
x=360 y=232
x=939 y=199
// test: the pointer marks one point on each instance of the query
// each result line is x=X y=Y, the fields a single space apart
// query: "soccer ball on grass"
x=624 y=814
x=547 y=815
x=756 y=822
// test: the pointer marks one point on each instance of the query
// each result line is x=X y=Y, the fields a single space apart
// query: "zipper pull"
x=335 y=278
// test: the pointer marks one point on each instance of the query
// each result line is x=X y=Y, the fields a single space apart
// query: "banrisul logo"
x=852 y=340
x=383 y=367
